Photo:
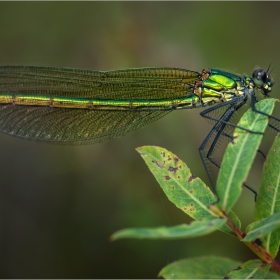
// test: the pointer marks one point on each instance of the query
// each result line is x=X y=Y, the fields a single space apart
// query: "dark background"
x=60 y=204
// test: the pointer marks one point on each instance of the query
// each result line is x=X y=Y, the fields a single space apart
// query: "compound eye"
x=260 y=77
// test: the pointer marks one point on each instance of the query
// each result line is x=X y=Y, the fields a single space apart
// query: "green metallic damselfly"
x=74 y=106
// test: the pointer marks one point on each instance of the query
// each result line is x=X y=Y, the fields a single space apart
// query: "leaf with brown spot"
x=177 y=188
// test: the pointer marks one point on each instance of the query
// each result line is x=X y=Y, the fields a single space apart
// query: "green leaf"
x=207 y=267
x=181 y=187
x=194 y=229
x=268 y=201
x=252 y=269
x=272 y=275
x=261 y=228
x=240 y=154
x=186 y=191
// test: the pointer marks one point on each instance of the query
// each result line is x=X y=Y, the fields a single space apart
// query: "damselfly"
x=74 y=106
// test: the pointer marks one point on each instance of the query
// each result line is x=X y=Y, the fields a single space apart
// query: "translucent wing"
x=79 y=126
x=131 y=83
x=72 y=126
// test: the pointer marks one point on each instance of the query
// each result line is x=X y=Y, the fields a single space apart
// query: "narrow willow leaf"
x=194 y=229
x=254 y=269
x=207 y=267
x=181 y=187
x=184 y=189
x=240 y=154
x=261 y=228
x=268 y=201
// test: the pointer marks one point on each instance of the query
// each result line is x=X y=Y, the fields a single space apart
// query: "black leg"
x=252 y=190
x=218 y=129
x=253 y=103
x=232 y=103
x=259 y=151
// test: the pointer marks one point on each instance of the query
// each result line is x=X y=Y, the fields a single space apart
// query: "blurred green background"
x=60 y=204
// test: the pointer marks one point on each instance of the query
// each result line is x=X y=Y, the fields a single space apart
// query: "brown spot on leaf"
x=238 y=268
x=176 y=160
x=167 y=178
x=236 y=136
x=157 y=163
x=258 y=242
x=192 y=177
x=172 y=169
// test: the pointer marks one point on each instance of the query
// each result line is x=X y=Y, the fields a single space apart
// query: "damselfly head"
x=262 y=80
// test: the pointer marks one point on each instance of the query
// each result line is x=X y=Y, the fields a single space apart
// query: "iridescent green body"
x=80 y=106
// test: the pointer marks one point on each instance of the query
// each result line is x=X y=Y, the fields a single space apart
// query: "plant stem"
x=263 y=255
